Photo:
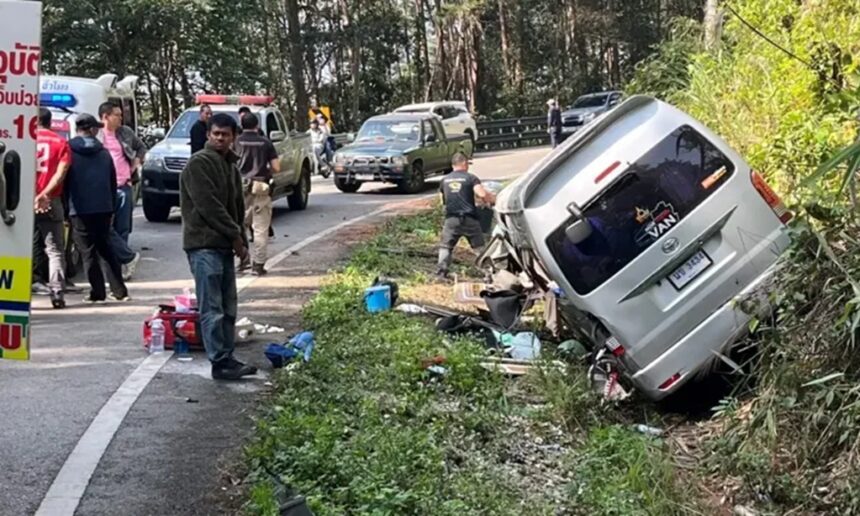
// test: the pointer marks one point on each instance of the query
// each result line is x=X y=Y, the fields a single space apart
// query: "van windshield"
x=181 y=129
x=650 y=198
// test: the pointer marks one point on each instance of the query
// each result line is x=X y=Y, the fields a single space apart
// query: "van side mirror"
x=580 y=229
x=277 y=136
x=350 y=137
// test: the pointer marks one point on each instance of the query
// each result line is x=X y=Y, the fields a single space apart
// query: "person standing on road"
x=258 y=161
x=459 y=189
x=92 y=194
x=213 y=213
x=53 y=158
x=553 y=122
x=127 y=152
x=198 y=130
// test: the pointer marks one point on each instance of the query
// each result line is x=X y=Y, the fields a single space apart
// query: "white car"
x=454 y=115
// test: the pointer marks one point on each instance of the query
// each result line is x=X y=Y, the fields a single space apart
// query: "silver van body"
x=679 y=230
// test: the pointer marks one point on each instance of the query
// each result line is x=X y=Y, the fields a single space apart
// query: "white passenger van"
x=653 y=228
x=67 y=97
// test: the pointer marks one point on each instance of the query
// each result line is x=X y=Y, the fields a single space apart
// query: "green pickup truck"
x=404 y=149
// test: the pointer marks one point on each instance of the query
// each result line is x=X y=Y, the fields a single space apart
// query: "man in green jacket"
x=213 y=213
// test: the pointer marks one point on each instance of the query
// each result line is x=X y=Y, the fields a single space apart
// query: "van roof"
x=512 y=200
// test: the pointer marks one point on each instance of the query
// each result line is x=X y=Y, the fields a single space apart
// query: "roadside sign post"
x=20 y=56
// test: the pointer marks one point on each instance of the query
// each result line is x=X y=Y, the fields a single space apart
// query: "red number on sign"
x=19 y=126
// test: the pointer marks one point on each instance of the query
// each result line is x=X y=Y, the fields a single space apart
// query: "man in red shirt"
x=53 y=158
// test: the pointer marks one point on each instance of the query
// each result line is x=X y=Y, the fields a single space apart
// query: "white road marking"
x=70 y=484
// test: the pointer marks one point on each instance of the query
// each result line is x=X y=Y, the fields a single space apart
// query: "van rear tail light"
x=614 y=346
x=771 y=198
x=601 y=176
x=670 y=381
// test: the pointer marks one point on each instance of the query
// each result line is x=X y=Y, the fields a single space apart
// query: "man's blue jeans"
x=122 y=224
x=215 y=281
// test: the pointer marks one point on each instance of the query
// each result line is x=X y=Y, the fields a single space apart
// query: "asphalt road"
x=178 y=443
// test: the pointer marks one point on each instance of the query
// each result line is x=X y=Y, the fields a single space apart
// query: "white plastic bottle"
x=156 y=343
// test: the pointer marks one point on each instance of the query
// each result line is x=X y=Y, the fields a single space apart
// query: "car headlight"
x=398 y=160
x=588 y=117
x=153 y=161
x=339 y=158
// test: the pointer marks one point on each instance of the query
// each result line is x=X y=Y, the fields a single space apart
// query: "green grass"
x=364 y=429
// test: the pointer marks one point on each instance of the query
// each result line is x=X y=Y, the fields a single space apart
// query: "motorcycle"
x=322 y=166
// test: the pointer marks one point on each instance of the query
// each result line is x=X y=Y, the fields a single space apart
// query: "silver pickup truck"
x=165 y=161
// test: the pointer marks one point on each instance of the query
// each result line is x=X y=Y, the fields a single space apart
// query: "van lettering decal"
x=657 y=222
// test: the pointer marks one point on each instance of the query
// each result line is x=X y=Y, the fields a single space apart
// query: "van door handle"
x=10 y=184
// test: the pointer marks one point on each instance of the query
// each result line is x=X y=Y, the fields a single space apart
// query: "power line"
x=787 y=52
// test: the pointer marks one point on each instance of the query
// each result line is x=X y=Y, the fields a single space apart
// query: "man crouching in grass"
x=213 y=214
x=459 y=189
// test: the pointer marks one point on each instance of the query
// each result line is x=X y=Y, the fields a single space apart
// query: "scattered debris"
x=191 y=400
x=280 y=355
x=649 y=430
x=246 y=328
x=412 y=309
x=470 y=293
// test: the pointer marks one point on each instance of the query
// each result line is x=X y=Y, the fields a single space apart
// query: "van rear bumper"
x=699 y=347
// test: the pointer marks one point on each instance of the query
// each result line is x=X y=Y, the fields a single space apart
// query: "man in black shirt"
x=198 y=130
x=258 y=160
x=459 y=189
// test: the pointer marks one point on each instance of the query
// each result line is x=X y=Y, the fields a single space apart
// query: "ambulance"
x=20 y=55
x=67 y=97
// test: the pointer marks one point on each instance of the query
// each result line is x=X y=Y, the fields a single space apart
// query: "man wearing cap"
x=553 y=122
x=127 y=152
x=92 y=194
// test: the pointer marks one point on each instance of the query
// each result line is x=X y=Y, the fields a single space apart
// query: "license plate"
x=568 y=130
x=364 y=177
x=680 y=277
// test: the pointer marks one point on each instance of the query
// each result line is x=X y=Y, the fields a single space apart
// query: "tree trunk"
x=297 y=69
x=422 y=60
x=505 y=40
x=713 y=25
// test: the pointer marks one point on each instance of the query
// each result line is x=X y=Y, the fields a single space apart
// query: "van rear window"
x=647 y=201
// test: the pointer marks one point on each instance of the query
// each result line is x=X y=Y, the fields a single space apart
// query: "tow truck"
x=165 y=161
x=20 y=53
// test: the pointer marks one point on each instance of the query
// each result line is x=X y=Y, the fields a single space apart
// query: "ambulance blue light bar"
x=57 y=100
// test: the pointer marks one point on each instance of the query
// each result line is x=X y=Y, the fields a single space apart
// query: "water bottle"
x=156 y=343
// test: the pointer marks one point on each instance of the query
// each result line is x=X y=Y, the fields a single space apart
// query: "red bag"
x=185 y=326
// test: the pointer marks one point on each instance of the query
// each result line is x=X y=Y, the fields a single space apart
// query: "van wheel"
x=155 y=211
x=346 y=186
x=298 y=200
x=414 y=181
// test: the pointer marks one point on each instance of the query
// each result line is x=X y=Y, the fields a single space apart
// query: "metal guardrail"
x=511 y=133
x=506 y=133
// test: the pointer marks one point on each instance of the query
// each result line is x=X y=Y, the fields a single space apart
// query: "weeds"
x=363 y=428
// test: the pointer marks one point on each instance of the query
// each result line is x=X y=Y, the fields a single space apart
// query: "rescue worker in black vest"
x=459 y=190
